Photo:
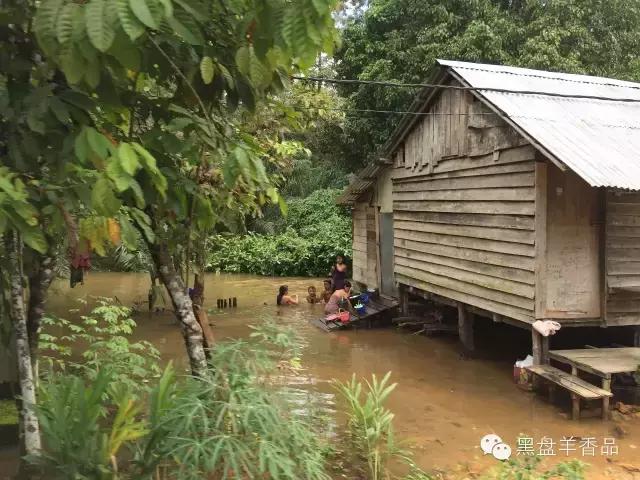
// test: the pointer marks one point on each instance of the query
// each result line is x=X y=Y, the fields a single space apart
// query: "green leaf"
x=98 y=142
x=99 y=27
x=35 y=239
x=45 y=24
x=128 y=233
x=81 y=146
x=120 y=178
x=60 y=110
x=73 y=65
x=243 y=59
x=227 y=75
x=178 y=124
x=168 y=8
x=260 y=75
x=186 y=27
x=66 y=21
x=147 y=11
x=130 y=24
x=149 y=162
x=103 y=200
x=144 y=222
x=207 y=70
x=128 y=158
x=321 y=6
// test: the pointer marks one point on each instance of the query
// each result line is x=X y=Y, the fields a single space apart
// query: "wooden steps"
x=577 y=387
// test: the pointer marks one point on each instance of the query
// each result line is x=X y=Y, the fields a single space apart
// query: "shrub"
x=105 y=336
x=316 y=231
x=232 y=423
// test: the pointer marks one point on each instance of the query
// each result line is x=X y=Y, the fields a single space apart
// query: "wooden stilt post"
x=544 y=351
x=235 y=302
x=465 y=328
x=229 y=302
x=606 y=385
x=404 y=300
x=636 y=336
x=224 y=303
x=575 y=404
x=536 y=347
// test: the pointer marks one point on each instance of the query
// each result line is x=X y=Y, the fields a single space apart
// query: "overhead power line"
x=353 y=110
x=463 y=88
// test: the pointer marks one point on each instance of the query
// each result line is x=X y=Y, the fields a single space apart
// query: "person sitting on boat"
x=339 y=276
x=339 y=300
x=284 y=298
x=326 y=293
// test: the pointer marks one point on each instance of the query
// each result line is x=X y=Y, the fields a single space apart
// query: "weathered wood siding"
x=572 y=278
x=623 y=258
x=365 y=254
x=464 y=208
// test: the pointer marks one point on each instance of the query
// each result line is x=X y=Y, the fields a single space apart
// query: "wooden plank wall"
x=365 y=251
x=572 y=280
x=464 y=208
x=622 y=258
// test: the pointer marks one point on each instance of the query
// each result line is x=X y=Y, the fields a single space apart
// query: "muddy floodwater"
x=444 y=402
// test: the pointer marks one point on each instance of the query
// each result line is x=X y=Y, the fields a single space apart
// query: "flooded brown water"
x=444 y=403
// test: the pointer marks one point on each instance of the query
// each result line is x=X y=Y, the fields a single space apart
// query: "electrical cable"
x=462 y=88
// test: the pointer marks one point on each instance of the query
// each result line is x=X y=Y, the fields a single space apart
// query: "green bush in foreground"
x=232 y=423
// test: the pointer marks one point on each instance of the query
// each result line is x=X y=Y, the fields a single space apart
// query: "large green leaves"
x=129 y=22
x=149 y=12
x=99 y=21
x=103 y=198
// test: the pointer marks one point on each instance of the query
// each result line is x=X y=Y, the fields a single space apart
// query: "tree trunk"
x=30 y=427
x=182 y=305
x=39 y=281
x=199 y=311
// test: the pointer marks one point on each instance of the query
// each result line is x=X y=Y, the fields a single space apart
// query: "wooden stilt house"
x=509 y=192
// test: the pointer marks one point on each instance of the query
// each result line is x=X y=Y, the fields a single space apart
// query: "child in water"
x=312 y=297
x=326 y=293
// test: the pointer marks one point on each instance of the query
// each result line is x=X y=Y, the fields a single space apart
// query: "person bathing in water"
x=339 y=300
x=326 y=293
x=284 y=298
x=312 y=296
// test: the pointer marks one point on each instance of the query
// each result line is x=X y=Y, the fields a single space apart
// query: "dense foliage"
x=400 y=40
x=232 y=423
x=305 y=243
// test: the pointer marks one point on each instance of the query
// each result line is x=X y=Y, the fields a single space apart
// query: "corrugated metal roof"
x=597 y=139
x=363 y=180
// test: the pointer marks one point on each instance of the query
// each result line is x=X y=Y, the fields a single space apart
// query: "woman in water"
x=284 y=298
x=339 y=300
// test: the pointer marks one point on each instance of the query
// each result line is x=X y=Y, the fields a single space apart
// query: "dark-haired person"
x=325 y=295
x=339 y=276
x=339 y=300
x=284 y=298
